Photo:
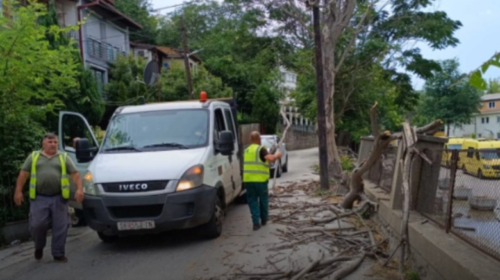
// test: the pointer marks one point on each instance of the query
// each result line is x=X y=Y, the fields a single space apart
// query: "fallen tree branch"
x=381 y=142
x=348 y=268
x=306 y=270
x=288 y=124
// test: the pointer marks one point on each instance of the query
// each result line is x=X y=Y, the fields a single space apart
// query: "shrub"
x=347 y=164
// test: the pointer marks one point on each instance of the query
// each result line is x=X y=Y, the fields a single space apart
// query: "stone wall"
x=298 y=139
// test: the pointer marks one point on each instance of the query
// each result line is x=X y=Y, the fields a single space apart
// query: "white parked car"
x=270 y=142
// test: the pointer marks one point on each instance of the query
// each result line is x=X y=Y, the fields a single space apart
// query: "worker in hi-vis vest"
x=49 y=192
x=256 y=177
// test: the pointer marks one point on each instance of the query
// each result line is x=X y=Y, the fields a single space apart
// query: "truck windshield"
x=455 y=147
x=157 y=130
x=490 y=154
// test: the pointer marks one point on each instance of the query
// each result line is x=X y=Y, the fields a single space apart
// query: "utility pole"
x=186 y=58
x=320 y=97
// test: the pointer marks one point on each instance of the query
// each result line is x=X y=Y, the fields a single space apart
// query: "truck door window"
x=73 y=127
x=219 y=123
x=470 y=152
x=229 y=120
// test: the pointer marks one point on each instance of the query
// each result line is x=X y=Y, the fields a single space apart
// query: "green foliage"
x=234 y=49
x=449 y=96
x=99 y=134
x=34 y=79
x=138 y=10
x=346 y=163
x=266 y=107
x=369 y=71
x=476 y=77
x=84 y=97
x=126 y=83
x=493 y=86
x=412 y=275
x=174 y=84
x=32 y=72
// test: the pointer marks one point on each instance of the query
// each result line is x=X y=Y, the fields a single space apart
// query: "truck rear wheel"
x=213 y=228
x=107 y=238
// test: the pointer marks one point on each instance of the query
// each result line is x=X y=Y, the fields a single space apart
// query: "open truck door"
x=73 y=125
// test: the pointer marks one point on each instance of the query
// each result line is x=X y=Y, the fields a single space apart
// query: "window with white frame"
x=485 y=120
x=491 y=104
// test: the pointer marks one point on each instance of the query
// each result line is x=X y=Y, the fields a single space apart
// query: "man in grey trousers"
x=48 y=171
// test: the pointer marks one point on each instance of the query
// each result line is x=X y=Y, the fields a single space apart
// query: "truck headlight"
x=89 y=188
x=192 y=178
x=486 y=166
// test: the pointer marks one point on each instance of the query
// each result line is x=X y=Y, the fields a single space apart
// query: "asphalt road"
x=176 y=255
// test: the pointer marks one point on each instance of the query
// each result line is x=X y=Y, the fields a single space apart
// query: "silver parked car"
x=271 y=142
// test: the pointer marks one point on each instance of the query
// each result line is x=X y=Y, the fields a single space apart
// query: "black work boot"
x=256 y=227
x=38 y=254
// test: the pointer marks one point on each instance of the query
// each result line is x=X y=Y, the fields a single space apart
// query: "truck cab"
x=160 y=167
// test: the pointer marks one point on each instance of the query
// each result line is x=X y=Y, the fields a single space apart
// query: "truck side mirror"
x=84 y=153
x=225 y=144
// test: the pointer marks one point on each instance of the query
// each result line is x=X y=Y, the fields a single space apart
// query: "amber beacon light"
x=203 y=96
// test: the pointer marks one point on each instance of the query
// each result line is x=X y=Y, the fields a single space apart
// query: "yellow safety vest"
x=64 y=175
x=254 y=169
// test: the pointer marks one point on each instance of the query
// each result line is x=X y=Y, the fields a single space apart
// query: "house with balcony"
x=102 y=37
x=485 y=124
x=165 y=56
x=288 y=84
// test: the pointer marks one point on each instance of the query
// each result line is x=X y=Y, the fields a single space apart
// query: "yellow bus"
x=453 y=144
x=482 y=158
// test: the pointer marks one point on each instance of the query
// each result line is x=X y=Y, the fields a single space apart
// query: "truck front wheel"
x=213 y=228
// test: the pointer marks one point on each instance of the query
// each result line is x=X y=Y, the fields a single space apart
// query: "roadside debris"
x=343 y=237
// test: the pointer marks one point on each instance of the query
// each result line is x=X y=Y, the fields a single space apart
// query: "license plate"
x=136 y=225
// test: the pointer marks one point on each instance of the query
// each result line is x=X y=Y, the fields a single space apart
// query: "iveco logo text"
x=133 y=187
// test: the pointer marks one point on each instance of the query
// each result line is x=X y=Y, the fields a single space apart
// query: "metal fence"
x=465 y=197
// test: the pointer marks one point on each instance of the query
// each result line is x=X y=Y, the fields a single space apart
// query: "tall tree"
x=33 y=80
x=355 y=36
x=235 y=47
x=174 y=84
x=493 y=86
x=138 y=10
x=450 y=97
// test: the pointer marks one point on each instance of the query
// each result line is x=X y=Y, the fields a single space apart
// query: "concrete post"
x=423 y=178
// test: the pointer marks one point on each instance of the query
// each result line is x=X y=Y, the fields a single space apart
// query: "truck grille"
x=131 y=187
x=141 y=211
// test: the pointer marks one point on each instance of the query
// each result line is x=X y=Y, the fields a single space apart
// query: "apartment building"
x=102 y=37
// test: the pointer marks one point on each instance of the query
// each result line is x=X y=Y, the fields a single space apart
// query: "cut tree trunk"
x=382 y=140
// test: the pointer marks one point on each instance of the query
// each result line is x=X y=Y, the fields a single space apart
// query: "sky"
x=478 y=37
